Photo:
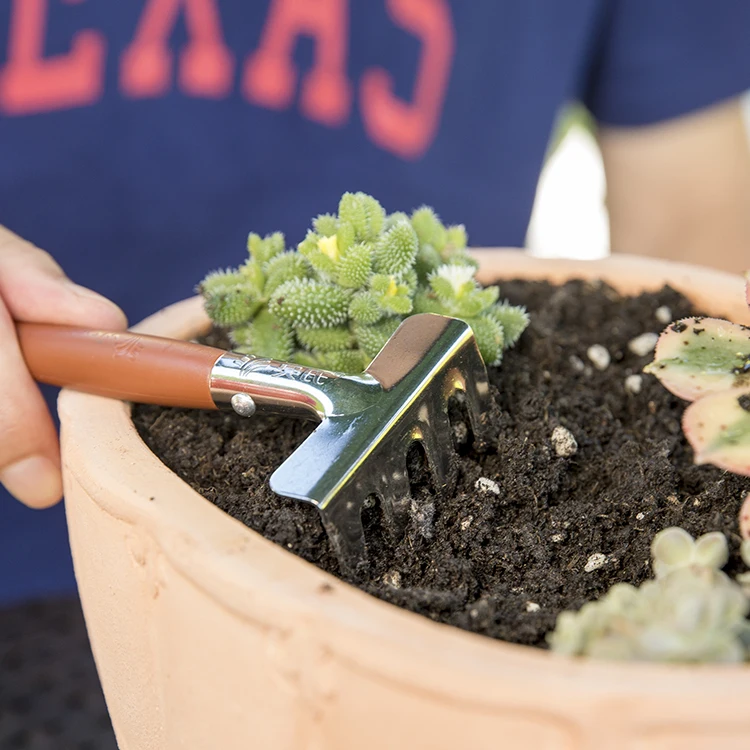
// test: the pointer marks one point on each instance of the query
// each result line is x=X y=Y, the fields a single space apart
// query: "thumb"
x=33 y=288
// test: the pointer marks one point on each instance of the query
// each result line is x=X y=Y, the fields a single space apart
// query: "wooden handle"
x=128 y=366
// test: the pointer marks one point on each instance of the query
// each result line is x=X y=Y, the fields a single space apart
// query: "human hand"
x=33 y=288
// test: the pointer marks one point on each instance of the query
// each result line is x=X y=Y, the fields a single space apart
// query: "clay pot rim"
x=220 y=555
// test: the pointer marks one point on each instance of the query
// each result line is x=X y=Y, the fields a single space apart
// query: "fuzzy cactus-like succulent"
x=335 y=299
x=707 y=361
x=691 y=611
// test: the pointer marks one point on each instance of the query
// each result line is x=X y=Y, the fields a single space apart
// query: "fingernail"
x=35 y=481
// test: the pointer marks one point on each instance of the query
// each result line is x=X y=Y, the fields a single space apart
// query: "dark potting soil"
x=502 y=558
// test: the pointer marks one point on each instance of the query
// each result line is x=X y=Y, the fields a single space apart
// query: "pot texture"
x=207 y=636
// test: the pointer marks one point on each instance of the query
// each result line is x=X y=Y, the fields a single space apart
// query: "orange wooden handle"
x=123 y=365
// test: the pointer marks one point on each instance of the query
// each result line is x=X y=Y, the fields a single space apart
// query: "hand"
x=33 y=288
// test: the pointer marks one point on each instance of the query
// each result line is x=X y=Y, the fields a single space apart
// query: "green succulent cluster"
x=335 y=300
x=690 y=612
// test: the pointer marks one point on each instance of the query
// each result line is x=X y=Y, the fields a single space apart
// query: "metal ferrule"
x=288 y=389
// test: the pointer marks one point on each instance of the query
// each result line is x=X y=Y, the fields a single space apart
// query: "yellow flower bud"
x=329 y=246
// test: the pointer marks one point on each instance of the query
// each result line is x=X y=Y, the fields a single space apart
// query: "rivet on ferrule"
x=243 y=404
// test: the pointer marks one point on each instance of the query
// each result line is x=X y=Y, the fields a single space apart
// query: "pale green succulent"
x=335 y=300
x=691 y=612
x=744 y=578
x=674 y=548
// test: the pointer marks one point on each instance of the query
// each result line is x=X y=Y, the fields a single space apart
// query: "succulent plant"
x=674 y=548
x=336 y=299
x=718 y=428
x=698 y=356
x=691 y=611
x=744 y=520
x=707 y=361
x=743 y=579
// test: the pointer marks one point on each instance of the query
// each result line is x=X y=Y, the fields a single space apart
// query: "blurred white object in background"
x=569 y=219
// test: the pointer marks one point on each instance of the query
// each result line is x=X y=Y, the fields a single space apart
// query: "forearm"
x=681 y=190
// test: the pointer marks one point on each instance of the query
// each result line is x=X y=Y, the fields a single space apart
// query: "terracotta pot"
x=207 y=636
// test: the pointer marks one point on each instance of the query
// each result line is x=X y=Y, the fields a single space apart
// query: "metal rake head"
x=360 y=447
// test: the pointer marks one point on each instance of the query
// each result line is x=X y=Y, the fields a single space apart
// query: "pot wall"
x=206 y=635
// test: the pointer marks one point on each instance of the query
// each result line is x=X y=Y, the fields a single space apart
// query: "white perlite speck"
x=633 y=384
x=595 y=562
x=483 y=484
x=640 y=516
x=599 y=356
x=564 y=442
x=643 y=344
x=576 y=363
x=556 y=538
x=663 y=314
x=532 y=607
x=393 y=578
x=466 y=522
x=460 y=432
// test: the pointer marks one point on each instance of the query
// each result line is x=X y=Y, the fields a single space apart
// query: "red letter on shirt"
x=408 y=128
x=206 y=65
x=32 y=83
x=270 y=76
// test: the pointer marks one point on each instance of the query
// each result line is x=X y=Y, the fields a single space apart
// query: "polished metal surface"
x=243 y=404
x=368 y=422
x=288 y=389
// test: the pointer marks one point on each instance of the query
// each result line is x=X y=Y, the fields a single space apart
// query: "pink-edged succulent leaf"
x=718 y=428
x=698 y=356
x=745 y=517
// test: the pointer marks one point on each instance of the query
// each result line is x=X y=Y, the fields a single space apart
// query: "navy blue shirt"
x=141 y=141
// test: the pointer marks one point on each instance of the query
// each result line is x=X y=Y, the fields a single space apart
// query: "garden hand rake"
x=367 y=421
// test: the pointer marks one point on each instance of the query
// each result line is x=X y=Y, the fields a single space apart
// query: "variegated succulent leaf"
x=699 y=356
x=744 y=519
x=717 y=427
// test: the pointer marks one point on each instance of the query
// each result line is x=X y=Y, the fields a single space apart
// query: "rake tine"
x=342 y=521
x=395 y=497
x=438 y=445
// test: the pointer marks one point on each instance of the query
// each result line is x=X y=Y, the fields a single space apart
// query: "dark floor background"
x=50 y=697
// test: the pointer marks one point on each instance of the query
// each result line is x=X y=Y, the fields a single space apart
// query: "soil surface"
x=502 y=557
